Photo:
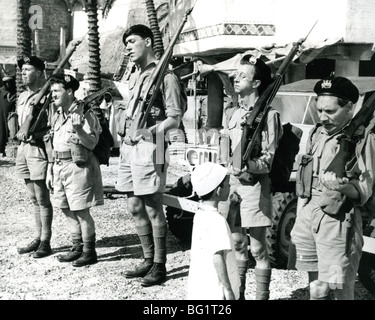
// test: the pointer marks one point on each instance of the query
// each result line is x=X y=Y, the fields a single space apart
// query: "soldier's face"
x=333 y=116
x=60 y=96
x=244 y=83
x=30 y=74
x=136 y=47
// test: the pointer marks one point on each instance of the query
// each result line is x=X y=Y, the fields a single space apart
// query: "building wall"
x=361 y=21
x=54 y=15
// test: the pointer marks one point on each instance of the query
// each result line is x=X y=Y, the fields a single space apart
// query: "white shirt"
x=211 y=234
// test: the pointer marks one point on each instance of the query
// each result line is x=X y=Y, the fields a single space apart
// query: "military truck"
x=297 y=106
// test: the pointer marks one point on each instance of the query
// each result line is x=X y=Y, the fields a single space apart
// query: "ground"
x=24 y=278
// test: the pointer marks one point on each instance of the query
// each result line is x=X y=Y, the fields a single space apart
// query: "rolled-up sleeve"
x=172 y=96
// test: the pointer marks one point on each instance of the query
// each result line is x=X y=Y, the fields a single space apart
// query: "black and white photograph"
x=180 y=153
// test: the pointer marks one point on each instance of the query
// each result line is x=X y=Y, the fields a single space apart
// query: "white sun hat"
x=207 y=176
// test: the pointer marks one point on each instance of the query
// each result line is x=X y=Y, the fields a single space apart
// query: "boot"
x=86 y=258
x=141 y=270
x=44 y=250
x=74 y=254
x=32 y=246
x=156 y=275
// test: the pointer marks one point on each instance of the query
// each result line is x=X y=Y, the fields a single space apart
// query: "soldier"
x=250 y=208
x=7 y=106
x=31 y=160
x=73 y=171
x=141 y=173
x=320 y=233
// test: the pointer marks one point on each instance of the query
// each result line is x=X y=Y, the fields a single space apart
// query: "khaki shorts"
x=77 y=187
x=31 y=162
x=142 y=168
x=256 y=203
x=320 y=243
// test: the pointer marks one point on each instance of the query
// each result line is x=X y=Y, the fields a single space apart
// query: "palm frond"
x=107 y=7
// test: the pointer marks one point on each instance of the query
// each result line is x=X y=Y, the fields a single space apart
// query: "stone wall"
x=55 y=16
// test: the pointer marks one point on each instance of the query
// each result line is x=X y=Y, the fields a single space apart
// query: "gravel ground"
x=24 y=278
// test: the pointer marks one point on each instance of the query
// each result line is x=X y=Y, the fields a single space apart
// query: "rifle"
x=347 y=141
x=250 y=137
x=154 y=82
x=34 y=122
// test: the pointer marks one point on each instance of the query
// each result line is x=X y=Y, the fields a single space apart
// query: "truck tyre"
x=180 y=224
x=366 y=269
x=278 y=235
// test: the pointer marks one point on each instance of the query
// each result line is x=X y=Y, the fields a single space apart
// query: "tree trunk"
x=23 y=37
x=93 y=74
x=154 y=26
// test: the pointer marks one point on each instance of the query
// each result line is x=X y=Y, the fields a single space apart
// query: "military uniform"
x=76 y=186
x=256 y=199
x=143 y=167
x=74 y=169
x=31 y=162
x=320 y=234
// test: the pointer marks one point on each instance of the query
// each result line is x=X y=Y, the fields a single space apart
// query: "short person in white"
x=213 y=273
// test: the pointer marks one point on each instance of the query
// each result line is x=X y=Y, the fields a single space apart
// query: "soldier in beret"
x=31 y=161
x=141 y=174
x=7 y=106
x=251 y=214
x=73 y=171
x=320 y=231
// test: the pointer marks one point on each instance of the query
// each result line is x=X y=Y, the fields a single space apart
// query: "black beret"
x=263 y=71
x=140 y=30
x=33 y=61
x=67 y=80
x=339 y=87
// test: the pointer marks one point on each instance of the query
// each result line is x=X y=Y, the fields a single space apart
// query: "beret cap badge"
x=67 y=78
x=26 y=59
x=326 y=84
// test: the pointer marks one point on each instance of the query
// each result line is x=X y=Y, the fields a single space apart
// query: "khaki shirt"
x=361 y=171
x=24 y=108
x=63 y=130
x=167 y=105
x=271 y=135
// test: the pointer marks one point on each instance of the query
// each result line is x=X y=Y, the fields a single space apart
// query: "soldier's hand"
x=134 y=139
x=332 y=182
x=49 y=178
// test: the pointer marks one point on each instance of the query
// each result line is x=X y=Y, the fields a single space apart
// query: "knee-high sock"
x=46 y=216
x=160 y=239
x=89 y=243
x=147 y=240
x=263 y=279
x=38 y=222
x=242 y=270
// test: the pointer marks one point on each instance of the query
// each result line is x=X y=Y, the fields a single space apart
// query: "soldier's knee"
x=240 y=242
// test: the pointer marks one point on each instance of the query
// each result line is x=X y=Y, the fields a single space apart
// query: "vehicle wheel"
x=180 y=224
x=278 y=236
x=366 y=271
